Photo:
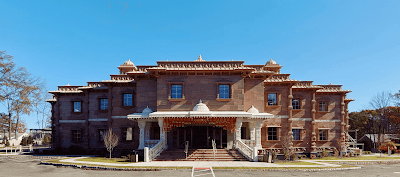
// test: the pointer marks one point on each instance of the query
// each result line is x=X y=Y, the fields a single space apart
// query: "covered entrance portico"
x=199 y=127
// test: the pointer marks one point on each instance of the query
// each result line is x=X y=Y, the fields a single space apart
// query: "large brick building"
x=239 y=106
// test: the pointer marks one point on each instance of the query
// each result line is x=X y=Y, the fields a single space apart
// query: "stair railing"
x=214 y=145
x=186 y=148
x=157 y=149
x=245 y=150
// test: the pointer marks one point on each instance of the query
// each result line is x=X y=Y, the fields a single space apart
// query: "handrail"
x=250 y=143
x=186 y=148
x=245 y=150
x=214 y=145
x=157 y=149
x=150 y=143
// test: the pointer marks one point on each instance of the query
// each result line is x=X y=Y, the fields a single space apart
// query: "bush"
x=30 y=140
x=336 y=153
x=274 y=155
x=313 y=156
x=5 y=141
x=24 y=141
x=325 y=153
x=294 y=156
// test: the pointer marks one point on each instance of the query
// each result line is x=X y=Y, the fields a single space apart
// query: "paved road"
x=29 y=167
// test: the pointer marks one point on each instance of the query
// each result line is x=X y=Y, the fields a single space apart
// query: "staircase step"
x=201 y=155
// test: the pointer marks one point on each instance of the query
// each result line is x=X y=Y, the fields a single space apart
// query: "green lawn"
x=295 y=163
x=106 y=160
x=356 y=158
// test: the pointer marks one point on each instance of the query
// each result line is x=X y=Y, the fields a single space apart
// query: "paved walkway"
x=200 y=164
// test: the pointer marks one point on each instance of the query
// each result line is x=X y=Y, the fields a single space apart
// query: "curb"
x=84 y=167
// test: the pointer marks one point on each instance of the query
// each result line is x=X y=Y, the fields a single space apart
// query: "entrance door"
x=199 y=137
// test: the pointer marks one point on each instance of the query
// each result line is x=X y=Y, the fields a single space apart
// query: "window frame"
x=272 y=136
x=326 y=105
x=229 y=84
x=123 y=99
x=73 y=107
x=277 y=99
x=75 y=137
x=124 y=134
x=326 y=134
x=100 y=138
x=100 y=104
x=299 y=103
x=300 y=134
x=170 y=91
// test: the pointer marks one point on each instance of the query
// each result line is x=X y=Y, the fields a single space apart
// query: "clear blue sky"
x=352 y=43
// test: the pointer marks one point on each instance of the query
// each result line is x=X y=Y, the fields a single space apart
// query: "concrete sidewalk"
x=200 y=164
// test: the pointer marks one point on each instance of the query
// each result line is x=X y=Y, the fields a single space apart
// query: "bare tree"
x=287 y=146
x=397 y=98
x=16 y=89
x=380 y=102
x=110 y=140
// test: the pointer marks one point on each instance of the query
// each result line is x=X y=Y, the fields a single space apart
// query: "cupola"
x=201 y=107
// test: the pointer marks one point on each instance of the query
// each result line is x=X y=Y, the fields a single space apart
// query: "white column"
x=252 y=132
x=238 y=125
x=142 y=125
x=146 y=154
x=258 y=134
x=163 y=134
x=255 y=154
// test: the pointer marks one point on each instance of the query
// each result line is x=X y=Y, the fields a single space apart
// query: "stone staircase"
x=201 y=155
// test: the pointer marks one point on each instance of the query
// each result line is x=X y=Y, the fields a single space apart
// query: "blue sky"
x=351 y=43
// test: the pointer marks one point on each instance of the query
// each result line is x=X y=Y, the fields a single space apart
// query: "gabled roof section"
x=332 y=89
x=67 y=89
x=306 y=85
x=279 y=78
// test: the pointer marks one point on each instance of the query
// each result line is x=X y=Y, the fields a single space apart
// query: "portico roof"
x=200 y=110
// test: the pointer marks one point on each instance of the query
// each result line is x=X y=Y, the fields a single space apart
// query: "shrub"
x=5 y=141
x=30 y=140
x=313 y=156
x=24 y=142
x=294 y=156
x=274 y=155
x=325 y=153
x=336 y=153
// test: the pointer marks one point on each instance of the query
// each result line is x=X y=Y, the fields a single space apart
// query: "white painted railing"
x=245 y=150
x=250 y=143
x=157 y=149
x=150 y=143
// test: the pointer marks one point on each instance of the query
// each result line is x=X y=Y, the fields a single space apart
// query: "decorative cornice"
x=98 y=120
x=72 y=121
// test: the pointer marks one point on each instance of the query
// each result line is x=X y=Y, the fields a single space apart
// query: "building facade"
x=235 y=105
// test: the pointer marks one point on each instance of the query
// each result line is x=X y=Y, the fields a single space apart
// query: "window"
x=296 y=134
x=322 y=106
x=323 y=135
x=272 y=133
x=272 y=99
x=243 y=133
x=102 y=132
x=77 y=106
x=176 y=91
x=76 y=135
x=296 y=103
x=223 y=90
x=128 y=99
x=104 y=104
x=127 y=134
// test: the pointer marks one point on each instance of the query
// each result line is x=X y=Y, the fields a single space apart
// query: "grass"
x=110 y=166
x=188 y=168
x=356 y=158
x=106 y=160
x=295 y=163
